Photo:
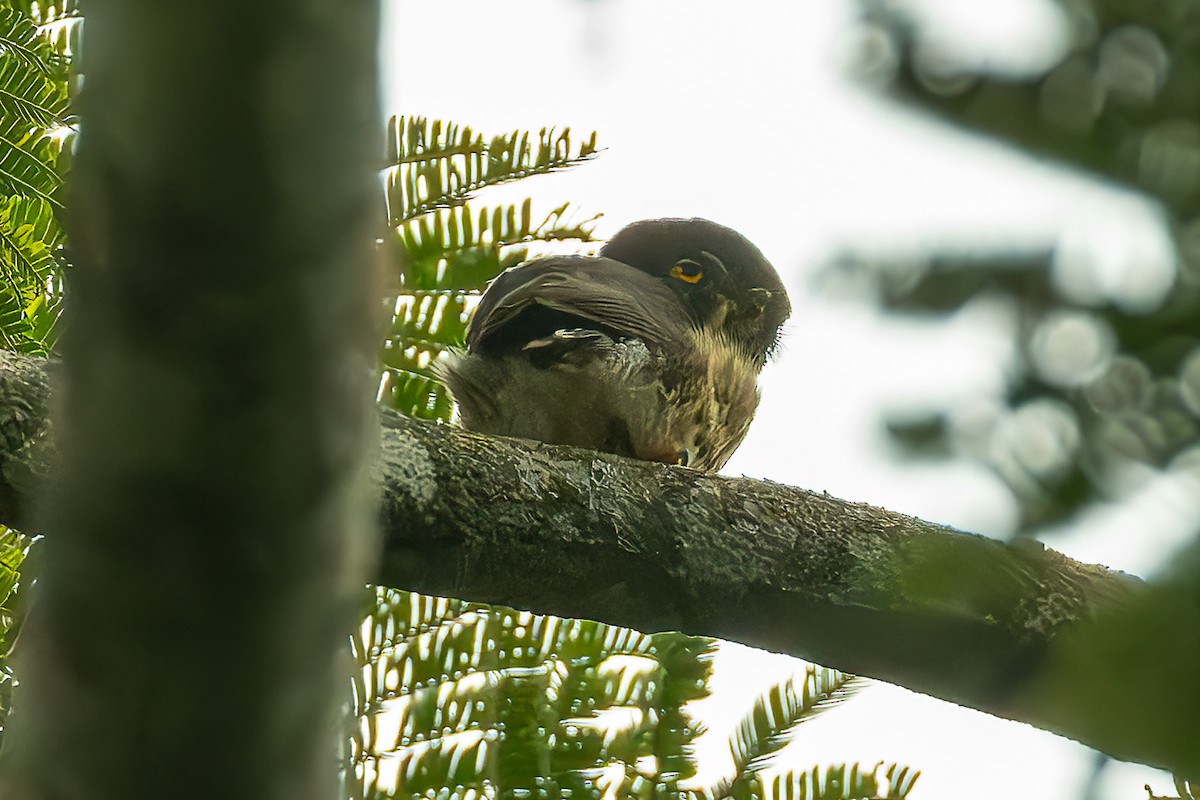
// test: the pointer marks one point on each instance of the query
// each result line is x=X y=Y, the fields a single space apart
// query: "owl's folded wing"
x=536 y=299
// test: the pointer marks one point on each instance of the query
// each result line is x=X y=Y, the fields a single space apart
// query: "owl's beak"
x=768 y=297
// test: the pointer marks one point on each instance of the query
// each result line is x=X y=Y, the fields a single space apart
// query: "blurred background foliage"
x=1106 y=374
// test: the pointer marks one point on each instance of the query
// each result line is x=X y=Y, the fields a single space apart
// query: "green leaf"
x=30 y=239
x=30 y=258
x=31 y=94
x=462 y=248
x=459 y=694
x=28 y=158
x=27 y=327
x=439 y=164
x=23 y=41
x=44 y=14
x=765 y=730
x=14 y=547
x=839 y=782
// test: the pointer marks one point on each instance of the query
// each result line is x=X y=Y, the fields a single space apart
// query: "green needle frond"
x=34 y=125
x=33 y=95
x=14 y=547
x=23 y=40
x=30 y=242
x=459 y=694
x=28 y=156
x=27 y=326
x=842 y=782
x=45 y=14
x=764 y=731
x=461 y=249
x=435 y=164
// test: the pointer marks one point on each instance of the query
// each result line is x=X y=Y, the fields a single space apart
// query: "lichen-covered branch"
x=1017 y=631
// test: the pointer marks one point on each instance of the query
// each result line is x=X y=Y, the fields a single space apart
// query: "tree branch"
x=1010 y=630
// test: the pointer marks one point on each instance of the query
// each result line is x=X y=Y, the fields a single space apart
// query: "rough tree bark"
x=210 y=530
x=1020 y=632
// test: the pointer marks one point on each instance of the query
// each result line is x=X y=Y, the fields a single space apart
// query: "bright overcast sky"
x=741 y=112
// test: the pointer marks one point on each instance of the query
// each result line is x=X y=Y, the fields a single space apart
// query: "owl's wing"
x=541 y=296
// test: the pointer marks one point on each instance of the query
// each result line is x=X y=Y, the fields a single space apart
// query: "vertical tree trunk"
x=214 y=528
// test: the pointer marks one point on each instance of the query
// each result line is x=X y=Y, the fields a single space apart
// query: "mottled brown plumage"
x=651 y=349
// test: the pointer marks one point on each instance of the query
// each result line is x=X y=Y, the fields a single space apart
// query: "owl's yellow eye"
x=687 y=270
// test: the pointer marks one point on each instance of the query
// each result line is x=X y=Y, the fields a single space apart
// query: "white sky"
x=741 y=112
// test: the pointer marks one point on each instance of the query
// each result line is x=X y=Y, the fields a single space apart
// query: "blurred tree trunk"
x=211 y=530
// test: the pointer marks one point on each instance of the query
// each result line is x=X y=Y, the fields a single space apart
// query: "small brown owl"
x=651 y=349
